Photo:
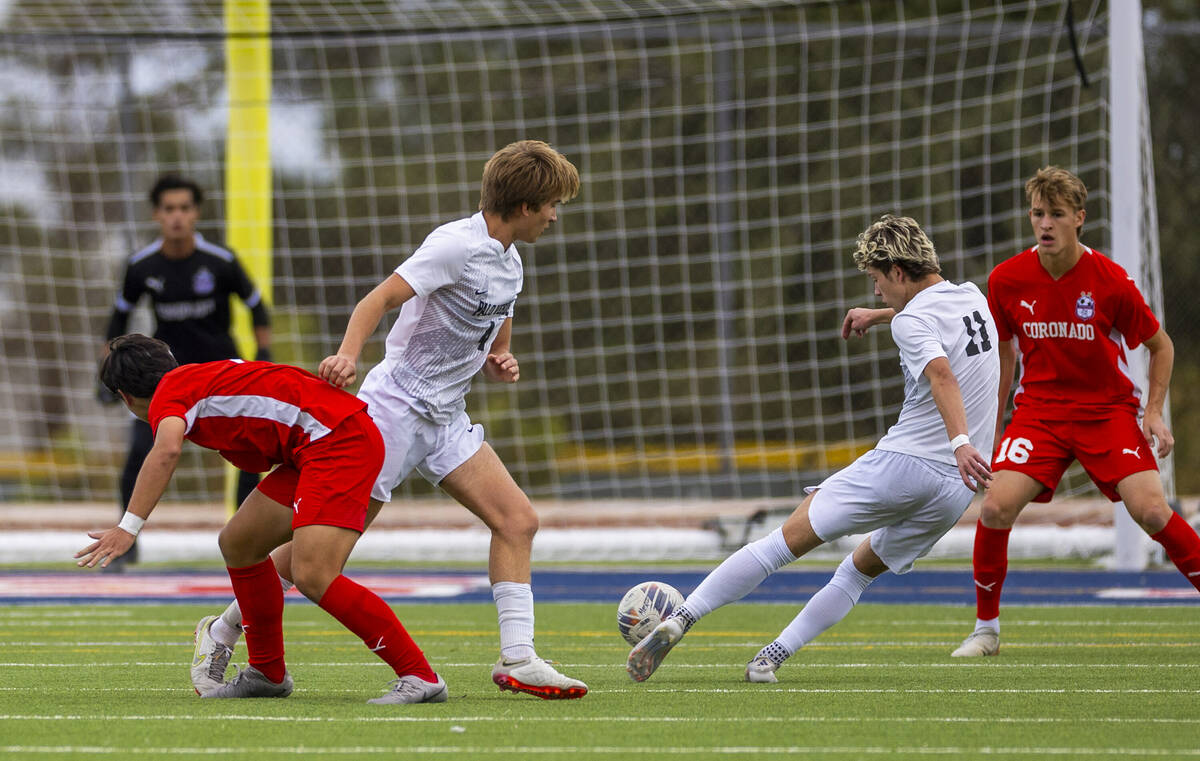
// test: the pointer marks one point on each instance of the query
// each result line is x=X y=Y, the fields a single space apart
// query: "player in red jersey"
x=328 y=453
x=1072 y=312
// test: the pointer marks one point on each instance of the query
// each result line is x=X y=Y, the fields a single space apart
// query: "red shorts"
x=1109 y=450
x=332 y=485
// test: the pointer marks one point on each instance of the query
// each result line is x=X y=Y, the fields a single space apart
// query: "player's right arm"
x=151 y=483
x=973 y=468
x=859 y=319
x=341 y=369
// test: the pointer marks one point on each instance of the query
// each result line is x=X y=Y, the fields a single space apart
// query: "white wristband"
x=958 y=441
x=131 y=523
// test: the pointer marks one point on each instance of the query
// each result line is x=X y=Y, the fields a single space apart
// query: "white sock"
x=829 y=605
x=222 y=632
x=991 y=623
x=514 y=609
x=228 y=627
x=738 y=575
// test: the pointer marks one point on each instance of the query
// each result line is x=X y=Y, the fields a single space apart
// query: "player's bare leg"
x=829 y=605
x=259 y=526
x=216 y=636
x=1143 y=496
x=484 y=486
x=736 y=577
x=1007 y=496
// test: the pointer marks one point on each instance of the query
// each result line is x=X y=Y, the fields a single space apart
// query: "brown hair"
x=1055 y=185
x=135 y=364
x=526 y=172
x=900 y=242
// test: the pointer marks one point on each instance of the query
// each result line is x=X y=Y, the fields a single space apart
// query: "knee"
x=520 y=523
x=995 y=514
x=233 y=551
x=311 y=579
x=1152 y=518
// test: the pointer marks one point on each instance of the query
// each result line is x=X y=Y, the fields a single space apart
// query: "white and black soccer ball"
x=644 y=607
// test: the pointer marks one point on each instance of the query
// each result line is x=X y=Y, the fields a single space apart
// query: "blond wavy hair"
x=526 y=172
x=897 y=242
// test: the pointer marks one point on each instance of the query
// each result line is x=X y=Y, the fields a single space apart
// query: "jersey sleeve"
x=918 y=342
x=244 y=287
x=1133 y=317
x=1004 y=331
x=127 y=298
x=438 y=262
x=165 y=403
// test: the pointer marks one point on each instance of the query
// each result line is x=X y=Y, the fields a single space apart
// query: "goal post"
x=1134 y=226
x=679 y=330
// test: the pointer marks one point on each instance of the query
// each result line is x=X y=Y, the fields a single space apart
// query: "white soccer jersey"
x=952 y=321
x=466 y=284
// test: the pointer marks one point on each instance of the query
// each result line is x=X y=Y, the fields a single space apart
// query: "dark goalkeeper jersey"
x=189 y=298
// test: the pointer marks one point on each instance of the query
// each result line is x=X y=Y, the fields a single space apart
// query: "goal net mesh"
x=679 y=329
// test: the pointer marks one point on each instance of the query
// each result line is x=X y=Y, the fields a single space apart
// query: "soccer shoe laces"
x=218 y=661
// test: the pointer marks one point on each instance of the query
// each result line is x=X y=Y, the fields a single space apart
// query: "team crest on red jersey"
x=1085 y=306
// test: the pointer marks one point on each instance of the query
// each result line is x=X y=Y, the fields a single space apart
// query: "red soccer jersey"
x=256 y=414
x=1069 y=333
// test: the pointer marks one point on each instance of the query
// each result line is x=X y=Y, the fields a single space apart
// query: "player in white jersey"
x=456 y=295
x=911 y=488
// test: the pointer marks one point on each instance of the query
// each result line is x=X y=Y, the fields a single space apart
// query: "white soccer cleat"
x=413 y=689
x=209 y=658
x=252 y=683
x=648 y=655
x=536 y=677
x=762 y=671
x=981 y=642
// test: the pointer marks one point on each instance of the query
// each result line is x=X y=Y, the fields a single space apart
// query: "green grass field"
x=1070 y=682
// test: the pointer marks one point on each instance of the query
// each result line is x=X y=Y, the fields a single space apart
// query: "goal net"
x=679 y=328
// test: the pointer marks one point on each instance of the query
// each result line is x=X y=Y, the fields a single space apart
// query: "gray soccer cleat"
x=981 y=642
x=413 y=689
x=252 y=683
x=209 y=658
x=648 y=655
x=761 y=670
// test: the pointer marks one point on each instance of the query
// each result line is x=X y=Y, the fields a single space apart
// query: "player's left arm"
x=501 y=366
x=151 y=483
x=972 y=466
x=1162 y=361
x=259 y=316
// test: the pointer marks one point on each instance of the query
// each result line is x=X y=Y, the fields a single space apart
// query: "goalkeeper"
x=456 y=295
x=189 y=281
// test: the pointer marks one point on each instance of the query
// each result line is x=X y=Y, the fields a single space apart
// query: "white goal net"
x=679 y=329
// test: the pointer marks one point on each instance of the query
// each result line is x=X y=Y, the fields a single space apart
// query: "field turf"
x=105 y=681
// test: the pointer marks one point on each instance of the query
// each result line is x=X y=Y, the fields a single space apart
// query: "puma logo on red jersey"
x=1134 y=452
x=1028 y=304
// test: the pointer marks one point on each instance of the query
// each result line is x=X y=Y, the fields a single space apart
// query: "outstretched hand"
x=972 y=466
x=110 y=545
x=501 y=368
x=338 y=370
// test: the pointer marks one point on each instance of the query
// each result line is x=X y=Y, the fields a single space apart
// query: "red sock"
x=261 y=600
x=990 y=561
x=1182 y=546
x=363 y=612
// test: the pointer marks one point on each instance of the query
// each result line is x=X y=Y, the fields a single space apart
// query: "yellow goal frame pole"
x=248 y=201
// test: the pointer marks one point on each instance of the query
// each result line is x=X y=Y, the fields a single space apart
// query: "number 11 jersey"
x=951 y=321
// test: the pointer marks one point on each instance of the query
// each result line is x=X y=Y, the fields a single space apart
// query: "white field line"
x=973 y=663
x=607 y=719
x=773 y=692
x=525 y=750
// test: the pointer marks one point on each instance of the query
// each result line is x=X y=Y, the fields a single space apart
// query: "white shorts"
x=909 y=502
x=410 y=440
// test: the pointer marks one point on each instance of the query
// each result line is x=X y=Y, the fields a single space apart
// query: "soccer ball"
x=644 y=607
